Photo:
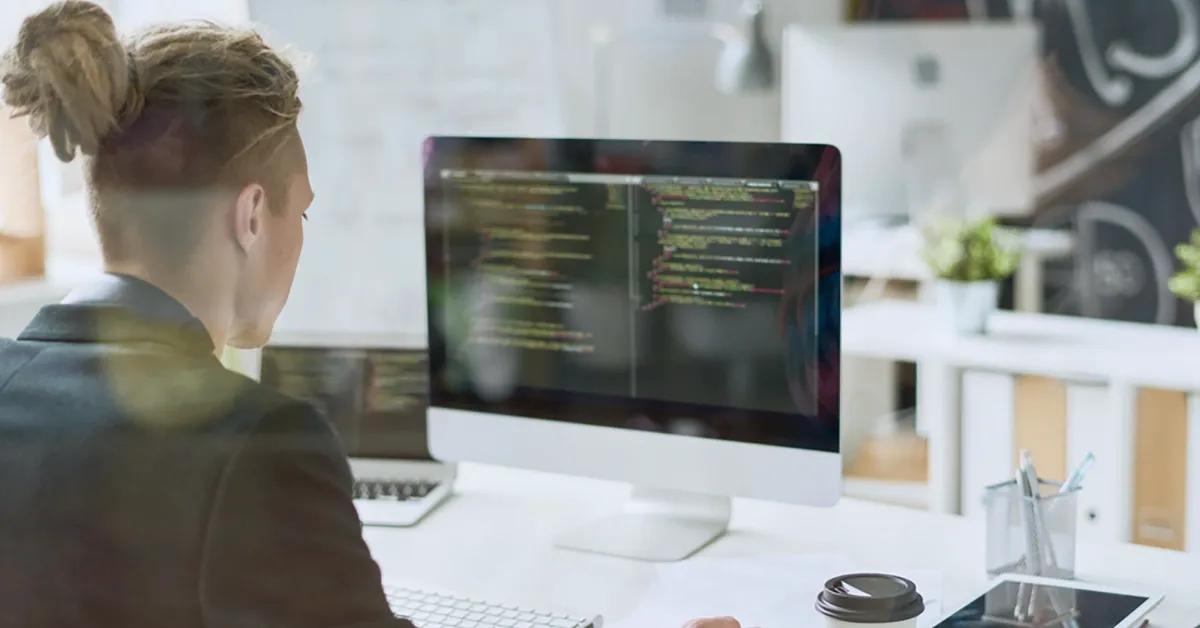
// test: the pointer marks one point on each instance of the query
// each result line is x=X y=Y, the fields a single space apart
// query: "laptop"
x=374 y=390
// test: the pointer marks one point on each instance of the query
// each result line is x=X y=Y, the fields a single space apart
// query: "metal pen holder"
x=1053 y=534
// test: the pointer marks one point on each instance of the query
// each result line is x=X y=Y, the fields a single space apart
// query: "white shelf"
x=1063 y=347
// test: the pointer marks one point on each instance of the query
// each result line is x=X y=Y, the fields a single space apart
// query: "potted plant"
x=969 y=259
x=1186 y=283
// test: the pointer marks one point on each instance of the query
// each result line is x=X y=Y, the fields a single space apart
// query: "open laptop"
x=374 y=389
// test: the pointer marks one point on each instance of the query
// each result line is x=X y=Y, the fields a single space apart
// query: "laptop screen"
x=376 y=398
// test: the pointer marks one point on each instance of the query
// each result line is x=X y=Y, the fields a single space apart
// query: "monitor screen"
x=690 y=288
x=375 y=398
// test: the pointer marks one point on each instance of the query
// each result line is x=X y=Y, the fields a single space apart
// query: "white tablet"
x=1028 y=601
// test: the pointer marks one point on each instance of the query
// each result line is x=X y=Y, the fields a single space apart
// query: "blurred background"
x=1072 y=123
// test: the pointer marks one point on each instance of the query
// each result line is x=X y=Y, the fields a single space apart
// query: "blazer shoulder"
x=262 y=408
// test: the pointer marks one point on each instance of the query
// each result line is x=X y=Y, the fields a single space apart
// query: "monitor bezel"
x=772 y=161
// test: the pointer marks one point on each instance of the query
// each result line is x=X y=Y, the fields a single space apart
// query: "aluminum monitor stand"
x=656 y=525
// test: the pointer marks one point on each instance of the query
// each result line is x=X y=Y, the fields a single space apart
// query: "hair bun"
x=71 y=75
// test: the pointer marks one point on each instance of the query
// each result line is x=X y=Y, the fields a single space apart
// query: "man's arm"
x=284 y=544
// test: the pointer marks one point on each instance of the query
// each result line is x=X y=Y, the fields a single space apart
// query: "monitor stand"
x=656 y=525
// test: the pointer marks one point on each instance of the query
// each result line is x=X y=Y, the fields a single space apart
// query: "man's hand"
x=713 y=622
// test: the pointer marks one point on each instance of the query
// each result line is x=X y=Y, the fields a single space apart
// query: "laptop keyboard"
x=433 y=610
x=392 y=490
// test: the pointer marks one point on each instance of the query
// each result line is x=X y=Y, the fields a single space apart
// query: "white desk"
x=1105 y=362
x=494 y=540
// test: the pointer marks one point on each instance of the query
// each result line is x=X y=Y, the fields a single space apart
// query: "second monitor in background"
x=374 y=389
x=931 y=118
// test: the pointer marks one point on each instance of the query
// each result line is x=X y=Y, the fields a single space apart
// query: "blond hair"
x=167 y=118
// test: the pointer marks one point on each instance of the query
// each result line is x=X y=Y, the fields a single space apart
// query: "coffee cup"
x=870 y=599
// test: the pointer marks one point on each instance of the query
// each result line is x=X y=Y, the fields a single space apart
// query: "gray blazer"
x=142 y=484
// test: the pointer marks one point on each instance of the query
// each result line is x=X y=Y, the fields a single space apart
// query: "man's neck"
x=204 y=297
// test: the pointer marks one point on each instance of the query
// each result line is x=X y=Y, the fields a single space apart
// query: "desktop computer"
x=662 y=313
x=933 y=119
x=373 y=389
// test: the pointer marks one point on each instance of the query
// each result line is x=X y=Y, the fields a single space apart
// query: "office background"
x=558 y=81
x=380 y=75
x=1138 y=110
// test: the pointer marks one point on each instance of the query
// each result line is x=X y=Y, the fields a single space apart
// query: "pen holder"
x=1008 y=539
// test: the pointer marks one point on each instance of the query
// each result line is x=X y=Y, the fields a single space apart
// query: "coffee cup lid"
x=870 y=598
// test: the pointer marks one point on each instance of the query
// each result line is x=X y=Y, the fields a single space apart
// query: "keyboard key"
x=391 y=490
x=432 y=610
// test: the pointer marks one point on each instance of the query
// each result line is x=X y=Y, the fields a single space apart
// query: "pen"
x=1076 y=479
x=1045 y=542
x=1022 y=602
x=1033 y=556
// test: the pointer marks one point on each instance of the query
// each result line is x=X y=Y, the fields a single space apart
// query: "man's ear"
x=248 y=214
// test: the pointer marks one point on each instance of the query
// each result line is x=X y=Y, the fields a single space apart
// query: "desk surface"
x=494 y=540
x=1041 y=344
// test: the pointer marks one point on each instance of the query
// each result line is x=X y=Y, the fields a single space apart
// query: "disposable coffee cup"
x=870 y=599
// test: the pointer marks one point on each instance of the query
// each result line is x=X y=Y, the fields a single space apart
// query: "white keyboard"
x=433 y=610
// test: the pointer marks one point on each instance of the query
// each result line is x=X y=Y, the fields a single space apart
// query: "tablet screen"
x=1022 y=604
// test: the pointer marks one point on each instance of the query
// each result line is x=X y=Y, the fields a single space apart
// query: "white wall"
x=580 y=21
x=134 y=14
x=12 y=12
x=128 y=14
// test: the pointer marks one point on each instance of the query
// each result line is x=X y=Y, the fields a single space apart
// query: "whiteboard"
x=378 y=76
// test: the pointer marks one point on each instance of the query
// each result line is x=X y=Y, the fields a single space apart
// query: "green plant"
x=1186 y=283
x=971 y=250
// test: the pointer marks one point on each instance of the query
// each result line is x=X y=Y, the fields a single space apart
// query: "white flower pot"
x=966 y=305
x=1196 y=313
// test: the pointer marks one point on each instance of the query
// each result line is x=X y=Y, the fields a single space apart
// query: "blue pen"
x=1076 y=479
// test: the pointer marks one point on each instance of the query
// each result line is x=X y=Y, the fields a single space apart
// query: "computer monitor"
x=653 y=312
x=373 y=388
x=933 y=119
